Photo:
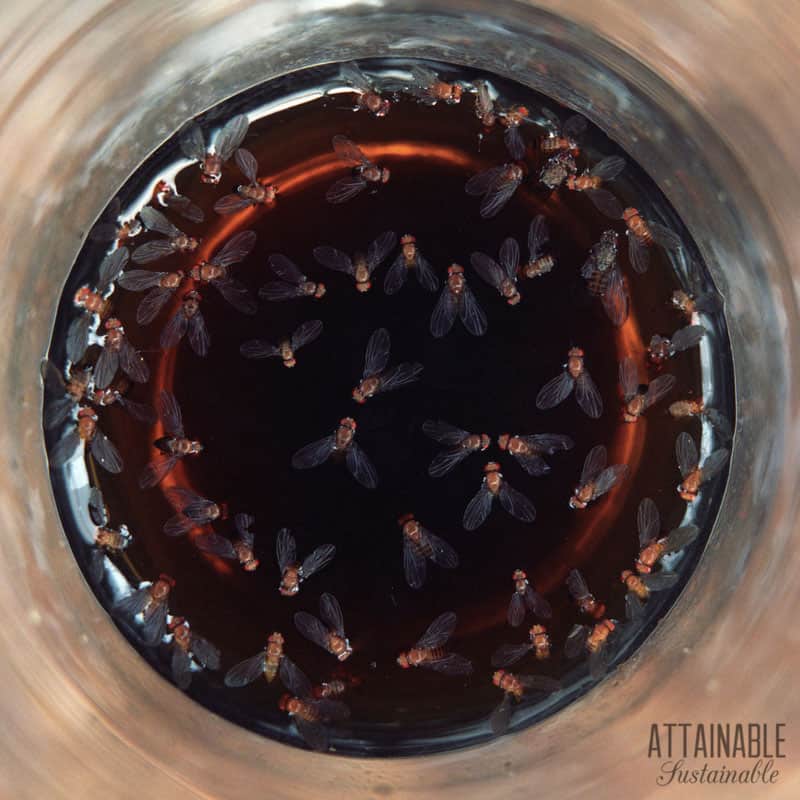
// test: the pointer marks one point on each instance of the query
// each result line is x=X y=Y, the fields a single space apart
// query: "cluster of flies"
x=75 y=397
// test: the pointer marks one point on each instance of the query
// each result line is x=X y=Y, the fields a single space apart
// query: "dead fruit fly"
x=575 y=376
x=193 y=146
x=160 y=287
x=460 y=444
x=429 y=651
x=484 y=104
x=596 y=640
x=293 y=572
x=341 y=680
x=285 y=349
x=591 y=181
x=188 y=648
x=641 y=237
x=108 y=227
x=240 y=549
x=329 y=632
x=512 y=118
x=176 y=240
x=689 y=304
x=502 y=276
x=514 y=687
x=192 y=510
x=694 y=476
x=494 y=485
x=637 y=402
x=64 y=395
x=539 y=645
x=376 y=378
x=86 y=432
x=539 y=262
x=150 y=600
x=368 y=96
x=364 y=172
x=430 y=89
x=528 y=450
x=496 y=185
x=268 y=663
x=188 y=319
x=410 y=259
x=292 y=284
x=652 y=548
x=107 y=541
x=604 y=278
x=584 y=599
x=168 y=197
x=697 y=408
x=457 y=300
x=420 y=545
x=118 y=353
x=557 y=169
x=339 y=444
x=562 y=137
x=639 y=589
x=660 y=348
x=596 y=478
x=525 y=597
x=253 y=193
x=361 y=266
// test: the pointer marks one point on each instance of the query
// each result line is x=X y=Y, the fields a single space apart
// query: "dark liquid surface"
x=253 y=415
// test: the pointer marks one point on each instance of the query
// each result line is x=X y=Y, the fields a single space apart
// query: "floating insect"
x=367 y=94
x=114 y=395
x=539 y=262
x=363 y=174
x=410 y=259
x=694 y=476
x=293 y=572
x=525 y=597
x=64 y=394
x=174 y=445
x=429 y=651
x=661 y=348
x=457 y=300
x=250 y=194
x=604 y=279
x=339 y=444
x=502 y=276
x=514 y=687
x=562 y=137
x=292 y=283
x=310 y=714
x=596 y=640
x=268 y=663
x=688 y=304
x=697 y=408
x=340 y=682
x=361 y=266
x=287 y=348
x=591 y=181
x=496 y=185
x=169 y=198
x=188 y=648
x=557 y=169
x=176 y=240
x=575 y=376
x=585 y=600
x=539 y=645
x=596 y=478
x=419 y=545
x=512 y=119
x=528 y=450
x=86 y=432
x=484 y=105
x=494 y=485
x=376 y=378
x=641 y=237
x=107 y=540
x=639 y=589
x=150 y=600
x=328 y=633
x=109 y=229
x=192 y=510
x=193 y=146
x=637 y=402
x=93 y=301
x=118 y=353
x=430 y=89
x=188 y=319
x=460 y=444
x=652 y=548
x=160 y=287
x=240 y=549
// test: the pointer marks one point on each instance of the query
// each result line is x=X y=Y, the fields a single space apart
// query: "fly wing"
x=185 y=207
x=314 y=454
x=379 y=249
x=708 y=303
x=576 y=641
x=138 y=411
x=634 y=607
x=314 y=734
x=395 y=276
x=446 y=460
x=638 y=253
x=231 y=136
x=133 y=365
x=398 y=376
x=106 y=367
x=156 y=471
x=549 y=442
x=481 y=183
x=310 y=627
x=438 y=632
x=130 y=605
x=588 y=396
x=151 y=304
x=714 y=463
x=537 y=603
x=487 y=268
x=277 y=291
x=360 y=466
x=471 y=313
x=576 y=584
x=206 y=654
x=153 y=251
x=425 y=274
x=294 y=679
x=540 y=683
x=334 y=259
x=496 y=198
x=444 y=313
x=680 y=538
x=192 y=143
x=105 y=453
x=575 y=126
x=594 y=464
x=256 y=348
x=443 y=432
x=451 y=664
x=56 y=411
x=248 y=164
x=155 y=624
x=687 y=337
x=538 y=236
x=508 y=654
x=659 y=387
x=231 y=203
x=509 y=257
x=648 y=522
x=154 y=220
x=285 y=549
x=501 y=717
x=64 y=449
x=237 y=295
x=137 y=280
x=320 y=558
x=608 y=168
x=243 y=522
x=237 y=248
x=216 y=545
x=199 y=339
x=285 y=269
x=345 y=189
x=516 y=610
x=348 y=151
x=515 y=144
x=96 y=563
x=414 y=565
x=555 y=391
x=441 y=552
x=532 y=464
x=605 y=202
x=519 y=506
x=615 y=299
x=181 y=667
x=598 y=661
x=78 y=337
x=377 y=354
x=306 y=333
x=331 y=613
x=478 y=509
x=178 y=525
x=97 y=508
x=660 y=581
x=628 y=378
x=352 y=75
x=686 y=454
x=668 y=239
x=609 y=478
x=110 y=268
x=170 y=413
x=246 y=671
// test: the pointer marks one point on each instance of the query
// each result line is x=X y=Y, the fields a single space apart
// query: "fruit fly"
x=502 y=276
x=604 y=278
x=187 y=647
x=429 y=651
x=591 y=181
x=192 y=510
x=457 y=300
x=697 y=408
x=240 y=549
x=107 y=540
x=562 y=137
x=525 y=597
x=367 y=95
x=496 y=185
x=93 y=301
x=108 y=228
x=188 y=319
x=596 y=640
x=64 y=395
x=430 y=89
x=514 y=687
x=639 y=589
x=585 y=600
x=539 y=645
x=176 y=240
x=410 y=259
x=596 y=478
x=575 y=376
x=87 y=432
x=328 y=633
x=363 y=174
x=376 y=378
x=293 y=573
x=150 y=600
x=174 y=445
x=689 y=304
x=484 y=105
x=169 y=198
x=160 y=287
x=528 y=450
x=340 y=682
x=494 y=485
x=114 y=395
x=193 y=146
x=460 y=444
x=539 y=262
x=512 y=119
x=292 y=284
x=310 y=714
x=651 y=547
x=419 y=545
x=339 y=444
x=254 y=193
x=360 y=267
x=118 y=353
x=641 y=237
x=636 y=401
x=694 y=476
x=269 y=662
x=662 y=348
x=557 y=169
x=286 y=348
